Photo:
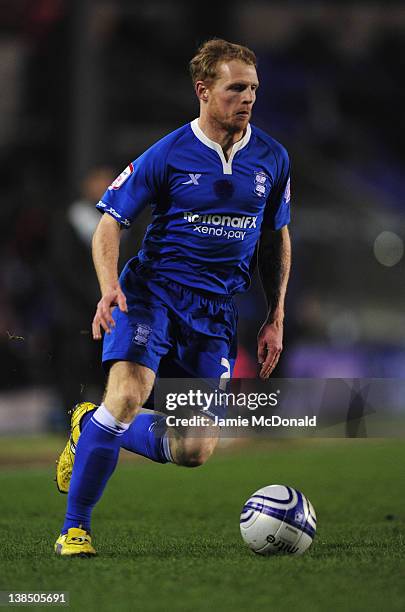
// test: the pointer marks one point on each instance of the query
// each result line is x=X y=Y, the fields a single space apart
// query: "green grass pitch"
x=168 y=537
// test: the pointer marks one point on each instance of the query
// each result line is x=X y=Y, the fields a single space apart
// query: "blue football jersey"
x=207 y=211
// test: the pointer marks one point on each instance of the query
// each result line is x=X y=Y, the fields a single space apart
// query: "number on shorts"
x=225 y=376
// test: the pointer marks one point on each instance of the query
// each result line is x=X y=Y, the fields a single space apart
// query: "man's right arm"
x=106 y=246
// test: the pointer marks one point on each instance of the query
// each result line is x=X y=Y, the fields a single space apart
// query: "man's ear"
x=201 y=90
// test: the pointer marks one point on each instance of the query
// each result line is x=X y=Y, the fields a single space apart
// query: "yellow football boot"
x=64 y=465
x=75 y=543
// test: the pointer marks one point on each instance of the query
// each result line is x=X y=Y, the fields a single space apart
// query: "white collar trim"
x=226 y=164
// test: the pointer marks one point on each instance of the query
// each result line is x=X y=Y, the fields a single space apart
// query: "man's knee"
x=129 y=386
x=127 y=400
x=193 y=452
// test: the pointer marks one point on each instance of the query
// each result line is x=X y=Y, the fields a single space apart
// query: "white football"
x=278 y=520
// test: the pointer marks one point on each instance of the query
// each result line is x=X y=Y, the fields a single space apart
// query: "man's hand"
x=269 y=347
x=103 y=317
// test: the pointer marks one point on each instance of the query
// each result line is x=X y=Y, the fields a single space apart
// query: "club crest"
x=142 y=333
x=261 y=184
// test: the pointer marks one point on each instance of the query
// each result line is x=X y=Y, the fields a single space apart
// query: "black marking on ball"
x=224 y=189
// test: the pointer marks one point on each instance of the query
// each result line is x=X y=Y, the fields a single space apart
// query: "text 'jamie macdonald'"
x=239 y=421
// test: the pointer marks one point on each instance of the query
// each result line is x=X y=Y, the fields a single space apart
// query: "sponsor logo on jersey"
x=193 y=179
x=224 y=225
x=261 y=184
x=120 y=180
x=224 y=220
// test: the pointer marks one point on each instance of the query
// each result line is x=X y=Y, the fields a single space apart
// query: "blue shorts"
x=171 y=330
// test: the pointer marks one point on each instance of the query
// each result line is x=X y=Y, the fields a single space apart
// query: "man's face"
x=230 y=98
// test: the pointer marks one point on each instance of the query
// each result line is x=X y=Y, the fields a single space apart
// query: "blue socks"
x=146 y=436
x=97 y=453
x=96 y=457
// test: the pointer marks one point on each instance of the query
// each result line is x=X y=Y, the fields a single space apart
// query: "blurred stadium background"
x=87 y=85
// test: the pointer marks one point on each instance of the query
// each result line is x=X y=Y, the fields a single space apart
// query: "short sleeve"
x=136 y=187
x=277 y=213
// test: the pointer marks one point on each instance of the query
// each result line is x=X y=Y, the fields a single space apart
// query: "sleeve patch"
x=287 y=193
x=120 y=180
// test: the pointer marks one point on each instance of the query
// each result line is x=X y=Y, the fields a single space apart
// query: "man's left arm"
x=274 y=260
